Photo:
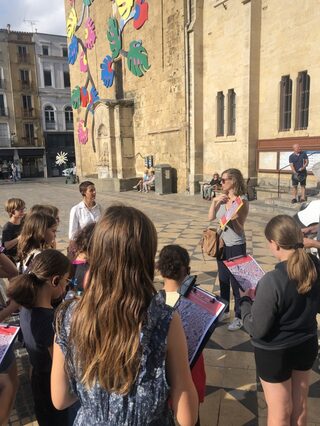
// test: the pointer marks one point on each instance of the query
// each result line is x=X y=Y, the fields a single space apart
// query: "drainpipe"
x=189 y=26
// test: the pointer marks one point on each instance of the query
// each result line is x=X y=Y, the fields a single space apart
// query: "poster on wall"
x=267 y=160
x=284 y=160
x=314 y=157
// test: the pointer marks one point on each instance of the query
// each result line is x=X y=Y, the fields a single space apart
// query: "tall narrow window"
x=49 y=118
x=68 y=114
x=4 y=135
x=303 y=95
x=3 y=109
x=29 y=133
x=22 y=54
x=2 y=86
x=220 y=114
x=285 y=103
x=27 y=106
x=65 y=52
x=66 y=79
x=47 y=78
x=45 y=50
x=231 y=112
x=24 y=77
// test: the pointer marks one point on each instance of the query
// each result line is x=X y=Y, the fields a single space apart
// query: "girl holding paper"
x=233 y=235
x=282 y=323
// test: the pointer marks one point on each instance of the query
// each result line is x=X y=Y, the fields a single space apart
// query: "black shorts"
x=299 y=178
x=275 y=366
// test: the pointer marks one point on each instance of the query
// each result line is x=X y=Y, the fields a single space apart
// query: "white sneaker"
x=224 y=316
x=235 y=325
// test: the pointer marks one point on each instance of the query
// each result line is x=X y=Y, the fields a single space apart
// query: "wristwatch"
x=2 y=249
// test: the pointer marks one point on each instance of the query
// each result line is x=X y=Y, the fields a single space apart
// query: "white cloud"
x=48 y=16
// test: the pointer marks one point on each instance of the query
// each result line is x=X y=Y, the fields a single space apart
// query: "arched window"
x=68 y=115
x=49 y=118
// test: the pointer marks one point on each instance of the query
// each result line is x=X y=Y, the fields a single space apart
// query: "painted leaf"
x=76 y=98
x=83 y=62
x=87 y=2
x=84 y=95
x=107 y=73
x=114 y=37
x=72 y=22
x=137 y=59
x=73 y=50
x=124 y=7
x=82 y=133
x=141 y=13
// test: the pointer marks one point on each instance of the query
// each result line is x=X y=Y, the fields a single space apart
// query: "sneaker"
x=294 y=201
x=235 y=325
x=225 y=316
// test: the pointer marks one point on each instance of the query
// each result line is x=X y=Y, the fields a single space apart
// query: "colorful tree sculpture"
x=136 y=57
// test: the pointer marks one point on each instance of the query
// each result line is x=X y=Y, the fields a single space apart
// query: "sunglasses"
x=224 y=180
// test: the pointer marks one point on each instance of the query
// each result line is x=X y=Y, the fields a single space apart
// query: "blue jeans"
x=226 y=278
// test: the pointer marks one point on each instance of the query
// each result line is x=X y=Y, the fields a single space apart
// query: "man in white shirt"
x=87 y=211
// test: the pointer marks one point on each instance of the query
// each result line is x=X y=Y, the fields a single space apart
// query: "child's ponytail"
x=285 y=232
x=301 y=269
x=23 y=289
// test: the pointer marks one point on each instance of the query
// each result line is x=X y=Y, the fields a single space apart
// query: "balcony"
x=50 y=125
x=2 y=83
x=29 y=141
x=69 y=125
x=23 y=58
x=27 y=112
x=4 y=112
x=26 y=85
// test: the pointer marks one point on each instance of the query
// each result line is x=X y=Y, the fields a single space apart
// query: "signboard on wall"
x=284 y=160
x=314 y=157
x=268 y=160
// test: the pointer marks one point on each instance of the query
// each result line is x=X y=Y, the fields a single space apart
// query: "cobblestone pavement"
x=234 y=396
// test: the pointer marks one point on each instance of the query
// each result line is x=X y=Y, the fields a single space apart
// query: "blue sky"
x=49 y=15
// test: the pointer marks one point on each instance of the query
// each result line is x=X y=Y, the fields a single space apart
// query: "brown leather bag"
x=211 y=242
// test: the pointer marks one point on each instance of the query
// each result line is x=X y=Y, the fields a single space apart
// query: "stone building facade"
x=24 y=143
x=230 y=84
x=54 y=95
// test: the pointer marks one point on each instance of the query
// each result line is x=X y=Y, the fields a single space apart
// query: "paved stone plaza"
x=234 y=396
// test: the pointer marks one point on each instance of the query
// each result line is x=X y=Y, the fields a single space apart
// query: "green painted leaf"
x=114 y=37
x=76 y=98
x=87 y=2
x=137 y=59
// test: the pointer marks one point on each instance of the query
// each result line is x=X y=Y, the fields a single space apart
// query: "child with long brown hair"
x=120 y=341
x=38 y=233
x=282 y=323
x=34 y=290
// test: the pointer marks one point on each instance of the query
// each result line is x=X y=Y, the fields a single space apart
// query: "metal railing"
x=284 y=167
x=27 y=112
x=50 y=125
x=23 y=58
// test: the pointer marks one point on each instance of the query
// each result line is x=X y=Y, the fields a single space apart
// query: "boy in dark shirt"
x=15 y=207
